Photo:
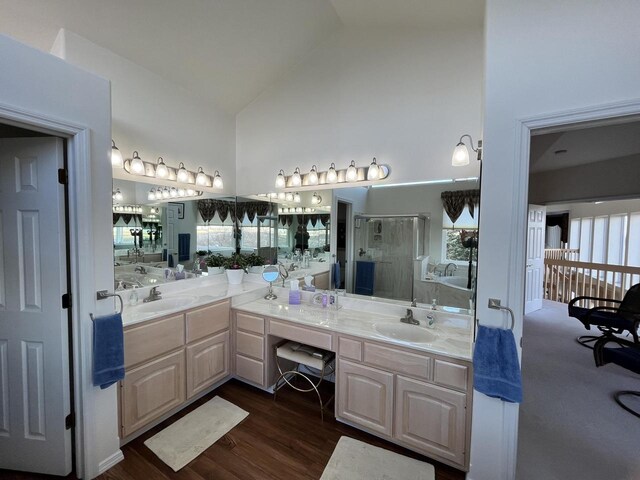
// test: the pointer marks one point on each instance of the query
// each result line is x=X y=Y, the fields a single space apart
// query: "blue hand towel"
x=108 y=350
x=496 y=371
x=336 y=275
x=365 y=277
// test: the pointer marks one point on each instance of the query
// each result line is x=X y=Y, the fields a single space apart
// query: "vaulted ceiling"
x=224 y=51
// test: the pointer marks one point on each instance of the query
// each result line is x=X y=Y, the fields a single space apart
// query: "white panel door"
x=34 y=353
x=535 y=258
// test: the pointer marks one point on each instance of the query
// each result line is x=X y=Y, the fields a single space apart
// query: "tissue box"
x=308 y=288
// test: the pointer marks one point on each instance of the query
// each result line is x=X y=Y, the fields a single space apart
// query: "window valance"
x=455 y=201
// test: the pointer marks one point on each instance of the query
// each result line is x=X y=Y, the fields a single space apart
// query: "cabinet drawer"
x=301 y=334
x=151 y=390
x=207 y=362
x=398 y=360
x=249 y=323
x=451 y=375
x=207 y=320
x=146 y=341
x=250 y=345
x=250 y=369
x=348 y=348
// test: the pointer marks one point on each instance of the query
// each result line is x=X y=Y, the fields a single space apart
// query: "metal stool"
x=311 y=357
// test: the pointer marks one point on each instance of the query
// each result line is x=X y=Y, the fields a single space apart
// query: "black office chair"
x=610 y=320
x=627 y=355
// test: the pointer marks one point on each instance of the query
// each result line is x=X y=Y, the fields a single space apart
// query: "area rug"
x=355 y=460
x=187 y=438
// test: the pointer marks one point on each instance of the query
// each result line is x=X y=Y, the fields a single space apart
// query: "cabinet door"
x=365 y=396
x=207 y=362
x=431 y=419
x=152 y=389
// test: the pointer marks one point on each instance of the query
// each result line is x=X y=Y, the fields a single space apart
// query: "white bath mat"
x=187 y=438
x=354 y=460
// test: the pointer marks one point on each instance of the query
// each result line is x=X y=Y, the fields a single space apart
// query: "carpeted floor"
x=570 y=426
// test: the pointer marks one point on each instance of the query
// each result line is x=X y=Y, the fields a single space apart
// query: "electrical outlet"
x=494 y=303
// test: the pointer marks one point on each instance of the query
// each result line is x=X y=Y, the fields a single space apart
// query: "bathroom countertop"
x=363 y=318
x=358 y=316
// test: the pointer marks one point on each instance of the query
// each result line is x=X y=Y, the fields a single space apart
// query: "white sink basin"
x=405 y=332
x=165 y=304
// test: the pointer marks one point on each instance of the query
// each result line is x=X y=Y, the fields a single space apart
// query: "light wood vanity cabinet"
x=250 y=348
x=322 y=280
x=413 y=398
x=170 y=360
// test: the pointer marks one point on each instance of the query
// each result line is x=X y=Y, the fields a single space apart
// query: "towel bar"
x=103 y=294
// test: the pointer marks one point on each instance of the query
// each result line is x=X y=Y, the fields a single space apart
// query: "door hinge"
x=66 y=300
x=63 y=176
x=70 y=421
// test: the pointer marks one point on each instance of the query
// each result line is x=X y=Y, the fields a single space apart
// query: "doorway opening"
x=343 y=243
x=579 y=176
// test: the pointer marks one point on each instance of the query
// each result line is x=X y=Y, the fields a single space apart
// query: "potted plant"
x=201 y=259
x=236 y=267
x=255 y=263
x=216 y=264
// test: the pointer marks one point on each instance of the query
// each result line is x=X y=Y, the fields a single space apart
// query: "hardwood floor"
x=278 y=440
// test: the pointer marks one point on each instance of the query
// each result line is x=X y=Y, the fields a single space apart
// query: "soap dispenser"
x=133 y=298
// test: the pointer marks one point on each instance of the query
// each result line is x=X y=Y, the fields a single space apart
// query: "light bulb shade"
x=296 y=179
x=191 y=192
x=280 y=180
x=374 y=172
x=116 y=156
x=165 y=193
x=460 y=155
x=161 y=169
x=181 y=192
x=282 y=195
x=201 y=177
x=352 y=172
x=332 y=175
x=296 y=198
x=152 y=194
x=183 y=175
x=137 y=166
x=316 y=199
x=173 y=192
x=217 y=180
x=312 y=178
x=289 y=197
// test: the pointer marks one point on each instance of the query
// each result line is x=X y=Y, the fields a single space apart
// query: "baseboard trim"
x=109 y=462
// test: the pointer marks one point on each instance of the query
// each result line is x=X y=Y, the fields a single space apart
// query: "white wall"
x=582 y=210
x=541 y=57
x=404 y=97
x=42 y=84
x=156 y=117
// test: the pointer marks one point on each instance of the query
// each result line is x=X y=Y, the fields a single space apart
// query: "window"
x=284 y=241
x=215 y=237
x=585 y=239
x=452 y=249
x=318 y=235
x=122 y=236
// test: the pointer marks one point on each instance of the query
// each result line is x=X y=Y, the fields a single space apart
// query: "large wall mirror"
x=400 y=242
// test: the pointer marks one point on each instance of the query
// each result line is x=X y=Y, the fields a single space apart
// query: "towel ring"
x=103 y=294
x=513 y=317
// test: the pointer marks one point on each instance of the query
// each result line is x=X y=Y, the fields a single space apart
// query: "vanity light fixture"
x=182 y=175
x=460 y=155
x=296 y=179
x=296 y=198
x=116 y=156
x=217 y=180
x=280 y=180
x=137 y=166
x=374 y=171
x=316 y=199
x=201 y=177
x=332 y=175
x=312 y=178
x=117 y=195
x=352 y=172
x=161 y=169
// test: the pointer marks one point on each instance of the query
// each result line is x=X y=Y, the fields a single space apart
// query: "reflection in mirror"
x=400 y=242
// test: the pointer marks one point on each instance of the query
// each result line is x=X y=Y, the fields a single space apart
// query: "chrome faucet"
x=408 y=318
x=414 y=302
x=283 y=272
x=446 y=269
x=140 y=269
x=154 y=295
